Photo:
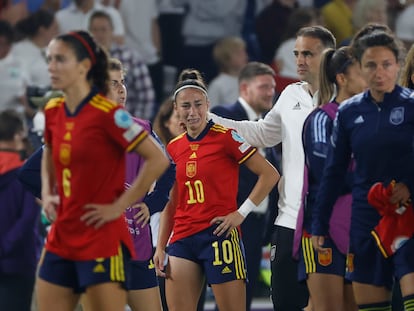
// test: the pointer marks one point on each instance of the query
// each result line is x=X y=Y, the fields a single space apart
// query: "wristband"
x=246 y=207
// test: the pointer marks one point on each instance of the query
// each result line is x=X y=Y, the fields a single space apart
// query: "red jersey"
x=88 y=150
x=207 y=173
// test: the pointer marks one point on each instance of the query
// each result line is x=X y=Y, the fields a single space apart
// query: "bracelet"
x=246 y=207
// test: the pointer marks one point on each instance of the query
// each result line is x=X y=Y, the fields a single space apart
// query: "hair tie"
x=86 y=46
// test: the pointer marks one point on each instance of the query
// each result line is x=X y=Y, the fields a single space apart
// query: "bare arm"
x=50 y=199
x=164 y=232
x=268 y=177
x=262 y=133
x=155 y=164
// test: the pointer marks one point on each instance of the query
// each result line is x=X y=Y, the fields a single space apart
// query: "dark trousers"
x=287 y=292
x=16 y=292
x=253 y=235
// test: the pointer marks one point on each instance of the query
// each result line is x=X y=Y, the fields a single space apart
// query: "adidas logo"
x=99 y=268
x=297 y=107
x=226 y=270
x=359 y=120
x=193 y=156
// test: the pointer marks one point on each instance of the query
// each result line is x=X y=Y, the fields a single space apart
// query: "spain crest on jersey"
x=325 y=257
x=191 y=169
x=397 y=115
x=64 y=154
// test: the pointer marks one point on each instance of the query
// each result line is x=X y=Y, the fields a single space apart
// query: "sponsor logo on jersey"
x=191 y=169
x=193 y=156
x=297 y=107
x=325 y=257
x=99 y=268
x=226 y=270
x=359 y=120
x=123 y=119
x=397 y=115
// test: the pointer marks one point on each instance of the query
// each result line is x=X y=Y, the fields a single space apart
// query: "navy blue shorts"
x=78 y=275
x=367 y=265
x=222 y=259
x=311 y=261
x=141 y=275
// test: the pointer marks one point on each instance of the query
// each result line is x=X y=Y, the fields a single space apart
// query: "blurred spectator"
x=19 y=217
x=76 y=17
x=141 y=97
x=13 y=79
x=285 y=61
x=407 y=74
x=337 y=16
x=167 y=124
x=271 y=26
x=205 y=22
x=37 y=30
x=49 y=5
x=143 y=35
x=170 y=22
x=368 y=12
x=230 y=55
x=404 y=24
x=13 y=10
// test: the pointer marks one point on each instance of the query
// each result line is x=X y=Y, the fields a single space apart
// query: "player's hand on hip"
x=143 y=215
x=227 y=223
x=99 y=214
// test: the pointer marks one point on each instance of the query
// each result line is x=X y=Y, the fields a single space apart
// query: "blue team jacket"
x=380 y=137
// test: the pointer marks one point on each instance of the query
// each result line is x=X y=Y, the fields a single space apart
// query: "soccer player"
x=339 y=79
x=202 y=214
x=376 y=128
x=83 y=170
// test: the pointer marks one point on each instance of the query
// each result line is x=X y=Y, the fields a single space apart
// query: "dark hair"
x=6 y=30
x=85 y=46
x=408 y=70
x=370 y=28
x=29 y=26
x=332 y=63
x=10 y=124
x=100 y=14
x=190 y=77
x=376 y=39
x=163 y=115
x=299 y=18
x=318 y=32
x=254 y=69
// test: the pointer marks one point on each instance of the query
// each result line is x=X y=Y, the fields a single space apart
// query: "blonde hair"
x=363 y=8
x=224 y=49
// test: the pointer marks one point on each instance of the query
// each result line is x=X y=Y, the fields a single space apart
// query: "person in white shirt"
x=283 y=124
x=38 y=29
x=76 y=17
x=13 y=78
x=231 y=56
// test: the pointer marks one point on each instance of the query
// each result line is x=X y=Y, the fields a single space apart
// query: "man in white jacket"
x=283 y=124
